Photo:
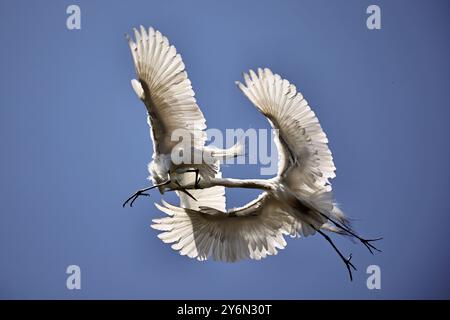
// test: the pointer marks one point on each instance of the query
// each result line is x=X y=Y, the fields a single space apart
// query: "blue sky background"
x=75 y=144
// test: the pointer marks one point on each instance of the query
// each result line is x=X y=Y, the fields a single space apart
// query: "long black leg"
x=141 y=192
x=197 y=177
x=347 y=262
x=366 y=242
x=185 y=191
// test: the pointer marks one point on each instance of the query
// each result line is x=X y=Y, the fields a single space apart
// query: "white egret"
x=167 y=93
x=298 y=201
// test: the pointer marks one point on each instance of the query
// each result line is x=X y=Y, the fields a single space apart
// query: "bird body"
x=163 y=86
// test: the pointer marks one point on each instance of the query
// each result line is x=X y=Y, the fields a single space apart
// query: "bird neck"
x=239 y=183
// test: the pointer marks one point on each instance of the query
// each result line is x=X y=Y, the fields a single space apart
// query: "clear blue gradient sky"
x=75 y=144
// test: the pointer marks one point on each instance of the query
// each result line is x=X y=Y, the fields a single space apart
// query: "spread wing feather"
x=209 y=232
x=305 y=160
x=164 y=87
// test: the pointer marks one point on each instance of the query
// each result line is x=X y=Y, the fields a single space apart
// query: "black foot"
x=135 y=196
x=141 y=192
x=347 y=261
x=349 y=266
x=369 y=246
x=365 y=242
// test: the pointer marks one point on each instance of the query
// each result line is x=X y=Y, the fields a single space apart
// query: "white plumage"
x=167 y=93
x=297 y=202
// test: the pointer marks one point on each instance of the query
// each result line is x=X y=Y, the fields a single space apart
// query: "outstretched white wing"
x=164 y=87
x=253 y=231
x=304 y=157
